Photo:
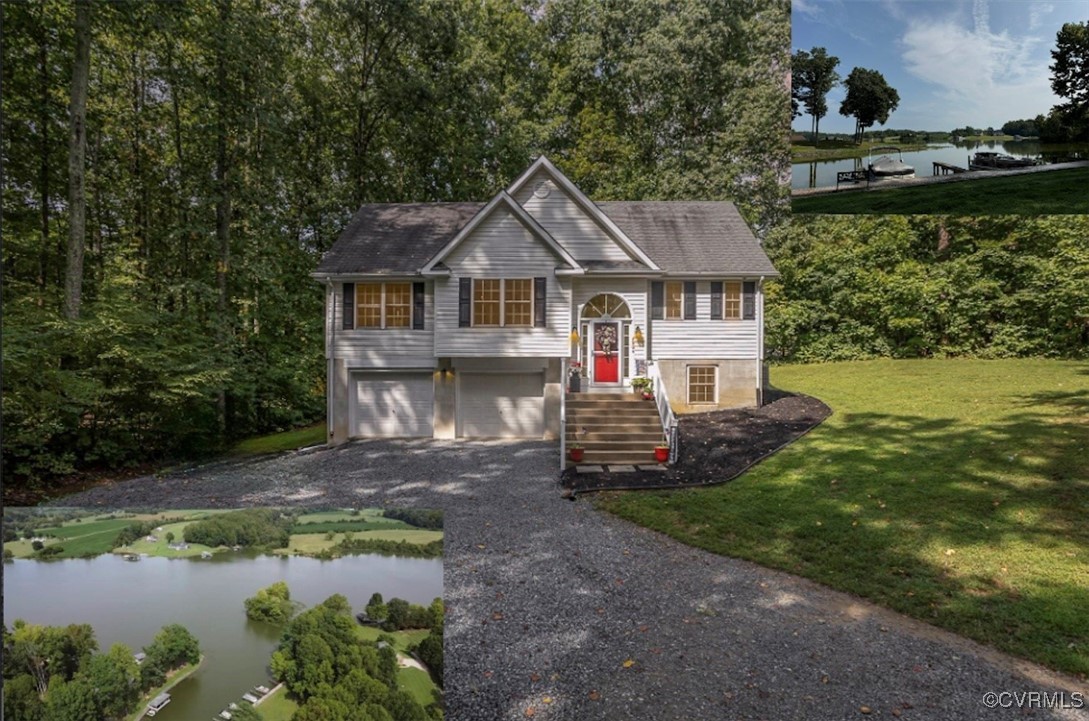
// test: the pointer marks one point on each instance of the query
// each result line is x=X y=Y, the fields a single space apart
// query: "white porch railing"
x=665 y=413
x=564 y=381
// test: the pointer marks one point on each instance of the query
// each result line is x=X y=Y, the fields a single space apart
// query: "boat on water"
x=157 y=704
x=997 y=161
x=887 y=166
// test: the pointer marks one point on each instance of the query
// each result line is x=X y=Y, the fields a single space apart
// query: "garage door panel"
x=392 y=405
x=501 y=405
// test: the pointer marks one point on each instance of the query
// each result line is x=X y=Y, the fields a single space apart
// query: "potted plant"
x=661 y=452
x=640 y=385
x=576 y=452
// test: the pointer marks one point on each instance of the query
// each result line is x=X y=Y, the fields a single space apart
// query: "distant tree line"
x=430 y=518
x=251 y=528
x=54 y=673
x=335 y=676
x=387 y=548
x=916 y=286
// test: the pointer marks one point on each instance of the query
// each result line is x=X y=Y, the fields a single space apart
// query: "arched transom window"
x=606 y=305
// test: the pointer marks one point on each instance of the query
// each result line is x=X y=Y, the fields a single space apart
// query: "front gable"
x=574 y=220
x=501 y=239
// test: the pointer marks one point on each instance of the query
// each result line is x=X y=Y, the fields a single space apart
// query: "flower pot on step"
x=661 y=454
x=576 y=454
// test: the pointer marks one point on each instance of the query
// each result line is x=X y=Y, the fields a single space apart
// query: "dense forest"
x=173 y=172
x=918 y=286
x=56 y=673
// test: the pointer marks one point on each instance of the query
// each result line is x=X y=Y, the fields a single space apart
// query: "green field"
x=1056 y=192
x=418 y=683
x=310 y=543
x=955 y=491
x=401 y=639
x=354 y=525
x=87 y=538
x=365 y=514
x=161 y=547
x=278 y=707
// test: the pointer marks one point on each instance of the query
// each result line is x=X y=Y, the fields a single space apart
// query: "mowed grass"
x=84 y=539
x=277 y=442
x=373 y=515
x=1055 y=192
x=955 y=491
x=418 y=683
x=353 y=525
x=401 y=639
x=278 y=707
x=161 y=547
x=308 y=543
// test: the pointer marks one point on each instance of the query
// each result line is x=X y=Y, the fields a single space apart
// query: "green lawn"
x=82 y=539
x=161 y=547
x=372 y=515
x=1052 y=193
x=353 y=525
x=278 y=707
x=285 y=441
x=308 y=543
x=955 y=491
x=418 y=683
x=401 y=639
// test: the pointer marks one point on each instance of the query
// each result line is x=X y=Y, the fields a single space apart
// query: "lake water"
x=130 y=602
x=823 y=173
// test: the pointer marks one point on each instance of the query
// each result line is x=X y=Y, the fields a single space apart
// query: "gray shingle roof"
x=684 y=236
x=396 y=237
x=680 y=236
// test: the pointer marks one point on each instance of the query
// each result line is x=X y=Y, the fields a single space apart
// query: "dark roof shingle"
x=679 y=236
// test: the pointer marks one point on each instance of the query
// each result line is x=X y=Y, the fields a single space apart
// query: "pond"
x=130 y=602
x=822 y=173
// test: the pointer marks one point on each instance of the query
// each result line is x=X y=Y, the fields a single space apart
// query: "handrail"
x=563 y=414
x=665 y=412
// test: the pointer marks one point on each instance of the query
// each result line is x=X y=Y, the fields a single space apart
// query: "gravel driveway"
x=558 y=611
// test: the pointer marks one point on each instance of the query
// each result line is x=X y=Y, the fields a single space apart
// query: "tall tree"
x=869 y=99
x=1070 y=75
x=814 y=75
x=77 y=150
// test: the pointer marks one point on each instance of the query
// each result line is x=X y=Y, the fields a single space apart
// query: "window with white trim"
x=702 y=384
x=731 y=300
x=674 y=300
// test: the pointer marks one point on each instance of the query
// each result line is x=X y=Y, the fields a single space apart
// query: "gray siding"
x=378 y=348
x=703 y=337
x=501 y=247
x=572 y=228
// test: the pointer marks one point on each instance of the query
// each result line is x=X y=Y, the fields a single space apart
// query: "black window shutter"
x=418 y=306
x=690 y=300
x=657 y=300
x=716 y=300
x=748 y=300
x=348 y=314
x=540 y=309
x=465 y=300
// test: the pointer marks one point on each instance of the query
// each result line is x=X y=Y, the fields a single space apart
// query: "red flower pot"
x=661 y=454
x=576 y=454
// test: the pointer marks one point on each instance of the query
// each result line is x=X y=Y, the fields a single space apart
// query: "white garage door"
x=391 y=404
x=501 y=405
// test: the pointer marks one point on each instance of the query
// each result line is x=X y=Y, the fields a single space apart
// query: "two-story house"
x=467 y=320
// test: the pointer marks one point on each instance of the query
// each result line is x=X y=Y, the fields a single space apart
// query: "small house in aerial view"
x=507 y=318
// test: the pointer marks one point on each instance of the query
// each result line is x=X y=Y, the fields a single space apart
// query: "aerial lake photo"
x=129 y=597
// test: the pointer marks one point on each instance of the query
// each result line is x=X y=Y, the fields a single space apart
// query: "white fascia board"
x=502 y=198
x=586 y=204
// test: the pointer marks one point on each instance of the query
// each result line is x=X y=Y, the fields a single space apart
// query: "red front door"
x=606 y=352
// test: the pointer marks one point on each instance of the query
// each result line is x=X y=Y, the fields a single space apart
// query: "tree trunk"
x=43 y=253
x=77 y=149
x=223 y=204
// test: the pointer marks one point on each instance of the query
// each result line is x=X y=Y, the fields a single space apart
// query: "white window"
x=702 y=384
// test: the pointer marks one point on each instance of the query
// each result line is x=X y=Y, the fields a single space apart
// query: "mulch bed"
x=719 y=446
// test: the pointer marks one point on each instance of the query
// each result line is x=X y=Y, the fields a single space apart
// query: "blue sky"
x=954 y=62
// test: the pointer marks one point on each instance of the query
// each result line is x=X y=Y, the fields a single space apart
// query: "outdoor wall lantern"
x=574 y=335
x=637 y=336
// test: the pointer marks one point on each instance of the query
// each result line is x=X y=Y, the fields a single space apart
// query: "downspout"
x=760 y=343
x=331 y=316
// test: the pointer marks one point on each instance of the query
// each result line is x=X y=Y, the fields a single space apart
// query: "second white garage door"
x=501 y=405
x=392 y=405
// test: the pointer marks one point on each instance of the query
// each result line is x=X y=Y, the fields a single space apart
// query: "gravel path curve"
x=558 y=611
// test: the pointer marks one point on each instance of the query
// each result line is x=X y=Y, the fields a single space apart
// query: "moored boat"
x=887 y=166
x=987 y=160
x=157 y=704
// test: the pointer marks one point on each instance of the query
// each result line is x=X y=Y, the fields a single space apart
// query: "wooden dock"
x=947 y=168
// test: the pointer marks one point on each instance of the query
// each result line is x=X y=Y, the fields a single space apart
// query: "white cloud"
x=981 y=77
x=805 y=7
x=1037 y=14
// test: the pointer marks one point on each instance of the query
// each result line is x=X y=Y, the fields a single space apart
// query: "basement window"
x=702 y=384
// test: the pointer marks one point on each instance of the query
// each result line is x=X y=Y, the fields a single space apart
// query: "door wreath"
x=606 y=338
